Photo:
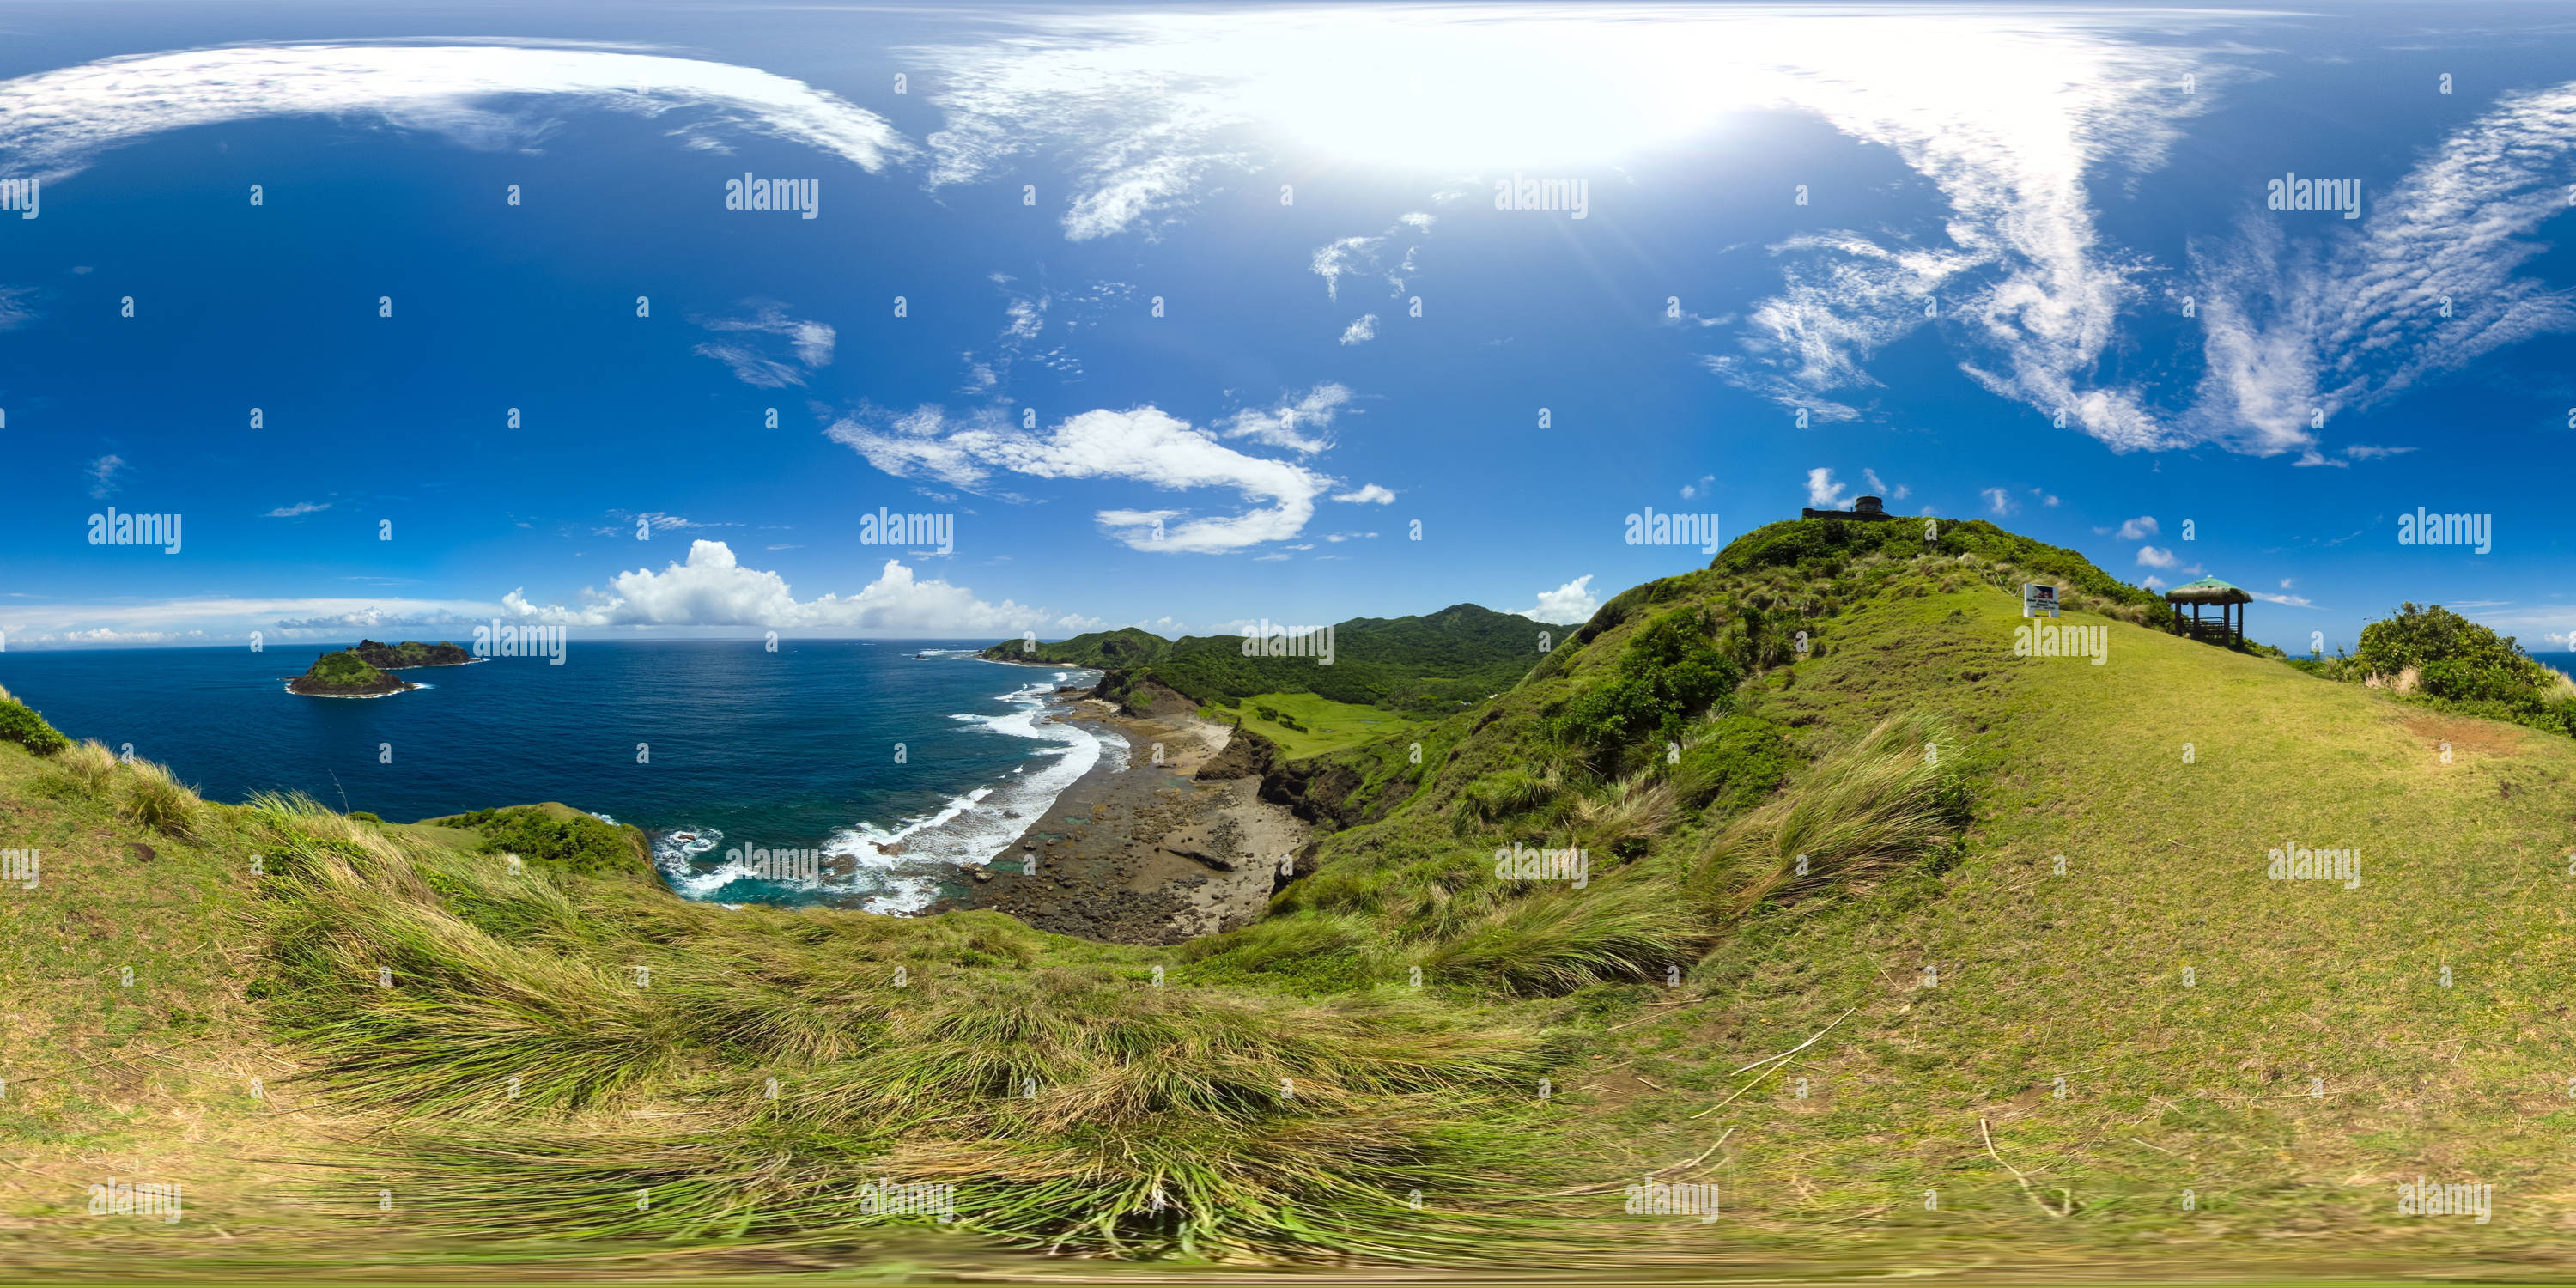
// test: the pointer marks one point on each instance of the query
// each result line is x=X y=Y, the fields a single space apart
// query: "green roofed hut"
x=2210 y=590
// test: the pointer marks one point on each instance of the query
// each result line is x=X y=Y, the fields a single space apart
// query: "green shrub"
x=2458 y=659
x=20 y=724
x=578 y=844
x=1670 y=672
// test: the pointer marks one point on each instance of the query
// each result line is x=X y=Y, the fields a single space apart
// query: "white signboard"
x=2037 y=599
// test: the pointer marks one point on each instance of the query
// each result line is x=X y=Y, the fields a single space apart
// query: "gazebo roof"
x=2207 y=590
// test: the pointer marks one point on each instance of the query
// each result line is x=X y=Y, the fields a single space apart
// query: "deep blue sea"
x=744 y=748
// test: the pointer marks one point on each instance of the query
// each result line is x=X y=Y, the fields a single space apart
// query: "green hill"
x=1823 y=954
x=1418 y=666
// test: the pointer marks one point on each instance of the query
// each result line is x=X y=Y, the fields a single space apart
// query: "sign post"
x=2037 y=600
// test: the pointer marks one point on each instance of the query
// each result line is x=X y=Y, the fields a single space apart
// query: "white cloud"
x=1706 y=483
x=2151 y=557
x=2045 y=499
x=1140 y=444
x=299 y=508
x=1571 y=602
x=1361 y=331
x=712 y=589
x=1823 y=493
x=2344 y=324
x=2138 y=528
x=1350 y=256
x=2293 y=601
x=102 y=476
x=52 y=123
x=2024 y=287
x=2366 y=452
x=1370 y=494
x=1297 y=424
x=1997 y=500
x=216 y=618
x=809 y=343
x=2153 y=582
x=15 y=311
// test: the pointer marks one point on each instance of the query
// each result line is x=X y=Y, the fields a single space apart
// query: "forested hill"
x=1424 y=665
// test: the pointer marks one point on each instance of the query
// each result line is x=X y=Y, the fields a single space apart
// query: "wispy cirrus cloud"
x=102 y=476
x=807 y=346
x=2429 y=281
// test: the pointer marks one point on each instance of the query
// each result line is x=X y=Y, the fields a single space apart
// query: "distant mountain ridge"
x=1425 y=665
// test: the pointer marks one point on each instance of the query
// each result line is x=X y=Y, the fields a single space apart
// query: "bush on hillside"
x=578 y=844
x=1670 y=672
x=20 y=724
x=2455 y=658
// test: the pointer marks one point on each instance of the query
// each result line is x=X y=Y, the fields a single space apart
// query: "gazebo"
x=2210 y=590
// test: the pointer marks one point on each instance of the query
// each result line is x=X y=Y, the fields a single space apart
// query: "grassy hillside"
x=2021 y=1042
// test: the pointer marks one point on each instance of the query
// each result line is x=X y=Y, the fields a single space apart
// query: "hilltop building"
x=1867 y=509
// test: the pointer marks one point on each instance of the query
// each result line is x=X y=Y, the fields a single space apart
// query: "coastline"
x=1141 y=853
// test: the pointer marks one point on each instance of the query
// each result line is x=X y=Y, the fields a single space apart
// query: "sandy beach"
x=1146 y=853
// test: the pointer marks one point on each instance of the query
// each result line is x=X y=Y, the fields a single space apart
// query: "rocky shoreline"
x=1151 y=853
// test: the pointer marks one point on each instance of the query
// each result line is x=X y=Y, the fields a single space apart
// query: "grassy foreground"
x=1926 y=1045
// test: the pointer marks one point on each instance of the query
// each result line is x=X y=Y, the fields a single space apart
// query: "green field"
x=1326 y=725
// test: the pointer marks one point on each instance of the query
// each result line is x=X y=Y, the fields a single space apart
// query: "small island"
x=410 y=653
x=346 y=675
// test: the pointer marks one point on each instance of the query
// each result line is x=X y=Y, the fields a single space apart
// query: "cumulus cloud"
x=1897 y=493
x=1706 y=483
x=2138 y=528
x=1998 y=501
x=102 y=476
x=1361 y=331
x=52 y=123
x=1140 y=444
x=1570 y=603
x=1370 y=494
x=1823 y=493
x=808 y=346
x=712 y=589
x=2152 y=557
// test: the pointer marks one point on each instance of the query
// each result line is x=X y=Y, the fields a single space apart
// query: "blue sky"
x=1292 y=185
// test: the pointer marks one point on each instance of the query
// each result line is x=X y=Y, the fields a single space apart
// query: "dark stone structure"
x=1867 y=509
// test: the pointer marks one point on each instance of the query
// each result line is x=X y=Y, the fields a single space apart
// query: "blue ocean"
x=916 y=760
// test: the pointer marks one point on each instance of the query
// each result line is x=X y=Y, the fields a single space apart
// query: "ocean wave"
x=899 y=869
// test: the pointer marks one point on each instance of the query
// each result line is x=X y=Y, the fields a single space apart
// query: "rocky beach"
x=1162 y=849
